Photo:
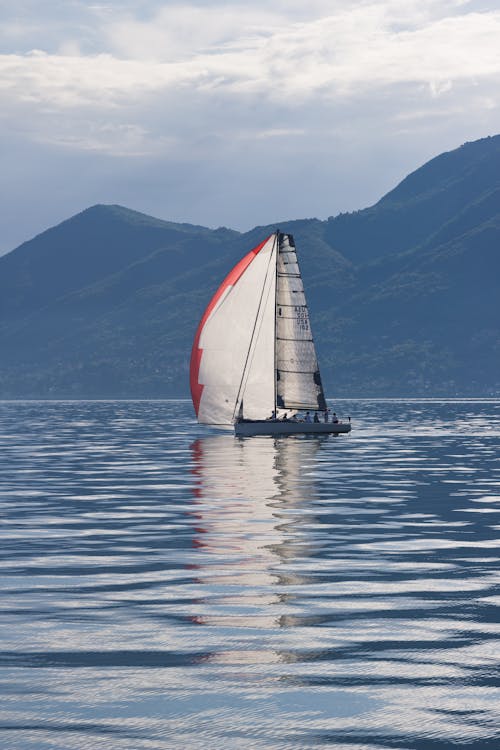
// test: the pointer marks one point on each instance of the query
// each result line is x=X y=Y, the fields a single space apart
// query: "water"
x=167 y=586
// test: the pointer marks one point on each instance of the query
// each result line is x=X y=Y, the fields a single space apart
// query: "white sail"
x=232 y=360
x=298 y=380
x=253 y=351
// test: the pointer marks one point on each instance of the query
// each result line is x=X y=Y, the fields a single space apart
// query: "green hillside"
x=443 y=195
x=403 y=295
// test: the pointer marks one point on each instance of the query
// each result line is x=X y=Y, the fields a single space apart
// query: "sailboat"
x=253 y=362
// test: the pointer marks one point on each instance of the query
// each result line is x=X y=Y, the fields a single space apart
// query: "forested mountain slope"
x=403 y=295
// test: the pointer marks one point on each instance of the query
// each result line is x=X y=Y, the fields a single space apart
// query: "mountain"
x=403 y=295
x=451 y=193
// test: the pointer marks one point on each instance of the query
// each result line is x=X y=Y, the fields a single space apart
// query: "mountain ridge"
x=105 y=304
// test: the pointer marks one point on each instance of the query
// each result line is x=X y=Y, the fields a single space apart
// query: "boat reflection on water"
x=249 y=500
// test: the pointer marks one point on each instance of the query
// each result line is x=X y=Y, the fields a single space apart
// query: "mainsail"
x=253 y=351
x=298 y=382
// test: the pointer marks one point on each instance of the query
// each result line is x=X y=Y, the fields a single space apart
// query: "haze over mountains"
x=404 y=296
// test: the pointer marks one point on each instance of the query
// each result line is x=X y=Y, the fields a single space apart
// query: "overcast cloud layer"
x=231 y=114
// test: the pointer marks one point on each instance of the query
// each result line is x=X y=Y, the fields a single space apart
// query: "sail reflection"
x=246 y=528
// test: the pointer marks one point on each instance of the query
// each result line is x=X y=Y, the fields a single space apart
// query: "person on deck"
x=335 y=419
x=316 y=418
x=325 y=416
x=307 y=418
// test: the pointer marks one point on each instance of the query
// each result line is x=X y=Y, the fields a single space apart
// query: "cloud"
x=245 y=53
x=206 y=91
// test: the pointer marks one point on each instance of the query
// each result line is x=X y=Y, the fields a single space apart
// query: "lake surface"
x=165 y=585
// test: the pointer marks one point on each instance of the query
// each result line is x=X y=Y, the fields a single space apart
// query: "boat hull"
x=279 y=427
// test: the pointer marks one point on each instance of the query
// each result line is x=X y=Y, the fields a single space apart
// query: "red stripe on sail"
x=196 y=352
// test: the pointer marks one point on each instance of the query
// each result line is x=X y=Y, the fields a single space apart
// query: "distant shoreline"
x=368 y=399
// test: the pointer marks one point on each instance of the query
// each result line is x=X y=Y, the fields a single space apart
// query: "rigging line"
x=275 y=363
x=246 y=367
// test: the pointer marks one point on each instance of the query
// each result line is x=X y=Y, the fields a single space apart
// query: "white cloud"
x=206 y=83
x=344 y=53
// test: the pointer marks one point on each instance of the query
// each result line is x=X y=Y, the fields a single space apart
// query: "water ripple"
x=165 y=585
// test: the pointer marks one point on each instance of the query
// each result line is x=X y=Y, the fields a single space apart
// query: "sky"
x=230 y=113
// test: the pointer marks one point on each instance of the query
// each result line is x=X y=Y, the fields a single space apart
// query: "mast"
x=275 y=373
